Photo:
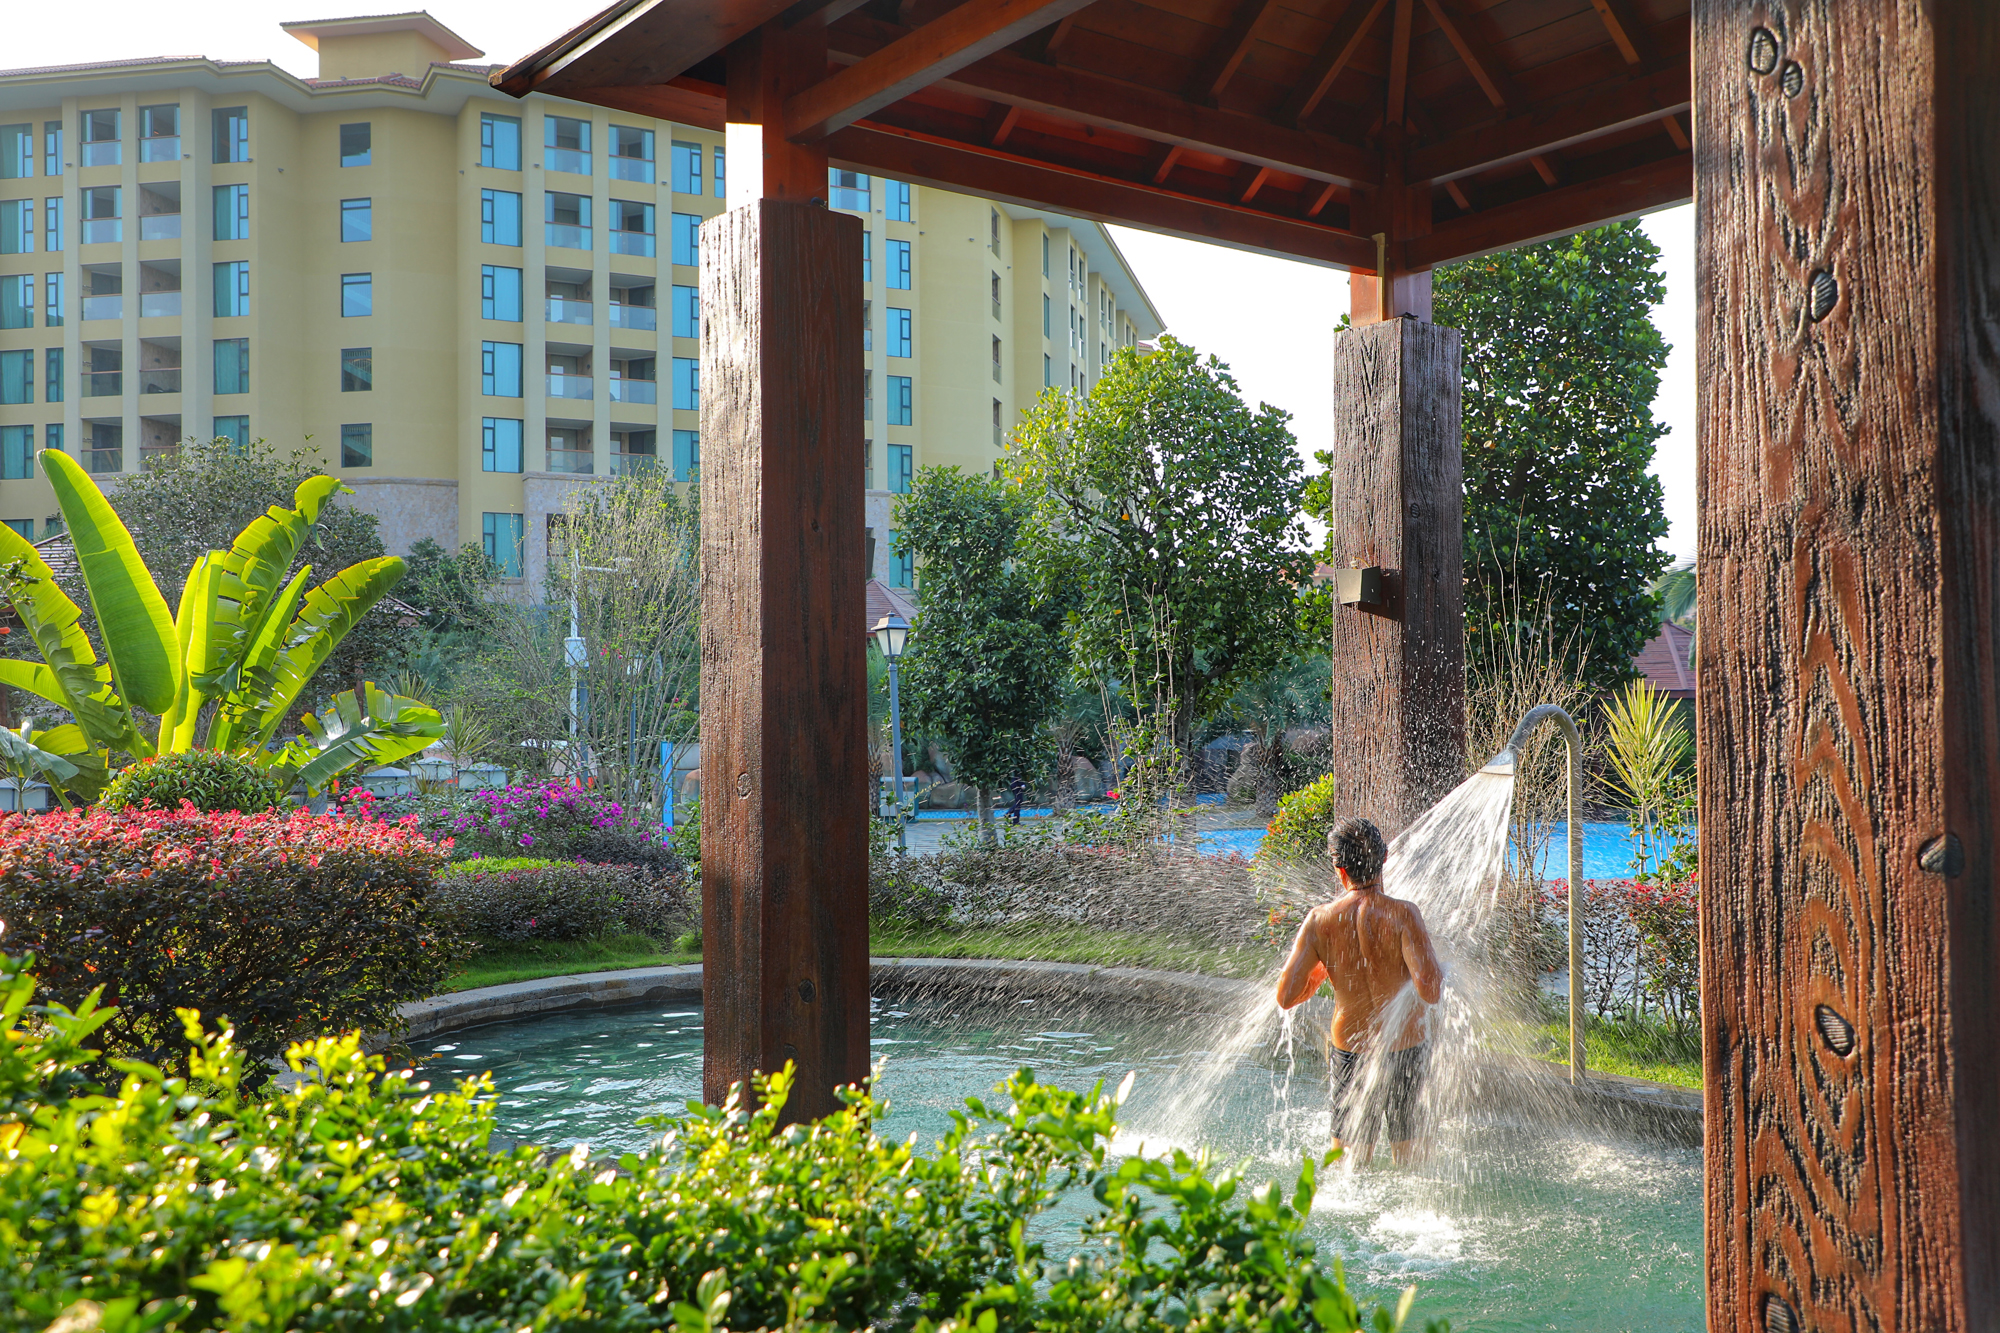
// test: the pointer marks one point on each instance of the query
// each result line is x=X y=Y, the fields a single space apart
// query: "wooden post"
x=1848 y=198
x=1398 y=503
x=784 y=841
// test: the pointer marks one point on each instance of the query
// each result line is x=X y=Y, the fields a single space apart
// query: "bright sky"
x=1270 y=319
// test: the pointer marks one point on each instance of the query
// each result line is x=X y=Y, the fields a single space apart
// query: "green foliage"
x=1298 y=834
x=563 y=900
x=981 y=669
x=1291 y=695
x=451 y=588
x=210 y=779
x=684 y=840
x=1169 y=512
x=365 y=1199
x=494 y=864
x=1651 y=774
x=1562 y=362
x=288 y=925
x=1676 y=589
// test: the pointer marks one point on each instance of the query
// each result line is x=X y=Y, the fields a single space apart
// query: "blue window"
x=566 y=144
x=17 y=376
x=52 y=224
x=901 y=409
x=52 y=438
x=17 y=226
x=52 y=380
x=17 y=151
x=52 y=163
x=687 y=312
x=499 y=141
x=687 y=383
x=902 y=563
x=867 y=258
x=685 y=167
x=1048 y=372
x=902 y=468
x=896 y=201
x=24 y=526
x=101 y=138
x=500 y=217
x=231 y=125
x=718 y=173
x=357 y=144
x=687 y=455
x=1046 y=308
x=52 y=312
x=357 y=370
x=631 y=155
x=236 y=430
x=232 y=212
x=17 y=460
x=687 y=239
x=631 y=228
x=500 y=536
x=17 y=301
x=499 y=292
x=357 y=220
x=499 y=444
x=232 y=365
x=566 y=220
x=899 y=265
x=500 y=370
x=899 y=331
x=232 y=289
x=357 y=445
x=357 y=295
x=847 y=189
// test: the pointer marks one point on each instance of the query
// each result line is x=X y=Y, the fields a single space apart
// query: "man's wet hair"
x=1356 y=846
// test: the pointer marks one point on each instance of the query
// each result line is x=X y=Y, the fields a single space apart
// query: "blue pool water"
x=1607 y=848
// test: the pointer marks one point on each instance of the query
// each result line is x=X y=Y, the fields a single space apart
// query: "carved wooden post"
x=1849 y=205
x=784 y=841
x=1398 y=503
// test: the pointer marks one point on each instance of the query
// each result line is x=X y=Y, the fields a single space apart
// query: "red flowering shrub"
x=290 y=925
x=523 y=900
x=1641 y=943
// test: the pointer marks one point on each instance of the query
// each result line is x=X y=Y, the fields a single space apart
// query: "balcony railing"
x=159 y=305
x=634 y=316
x=103 y=460
x=569 y=310
x=631 y=169
x=103 y=231
x=161 y=379
x=631 y=243
x=570 y=460
x=634 y=391
x=632 y=465
x=565 y=237
x=103 y=154
x=166 y=148
x=103 y=383
x=160 y=227
x=568 y=386
x=566 y=159
x=104 y=307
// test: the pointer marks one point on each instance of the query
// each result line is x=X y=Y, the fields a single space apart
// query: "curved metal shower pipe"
x=1507 y=762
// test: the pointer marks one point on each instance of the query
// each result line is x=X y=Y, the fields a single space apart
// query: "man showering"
x=1368 y=946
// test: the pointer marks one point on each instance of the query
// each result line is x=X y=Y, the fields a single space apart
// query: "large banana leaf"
x=19 y=752
x=191 y=629
x=251 y=573
x=330 y=611
x=92 y=771
x=241 y=713
x=367 y=726
x=132 y=617
x=72 y=676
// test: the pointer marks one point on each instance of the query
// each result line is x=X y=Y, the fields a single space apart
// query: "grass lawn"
x=1613 y=1046
x=1067 y=944
x=498 y=963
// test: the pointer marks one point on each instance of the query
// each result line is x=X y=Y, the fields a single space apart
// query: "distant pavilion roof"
x=1664 y=661
x=882 y=599
x=1354 y=133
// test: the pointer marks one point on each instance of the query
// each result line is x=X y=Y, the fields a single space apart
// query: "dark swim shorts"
x=1357 y=1109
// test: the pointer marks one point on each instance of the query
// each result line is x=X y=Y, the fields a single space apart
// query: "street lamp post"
x=892 y=632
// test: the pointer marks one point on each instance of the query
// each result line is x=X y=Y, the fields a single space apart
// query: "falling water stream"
x=1511 y=1220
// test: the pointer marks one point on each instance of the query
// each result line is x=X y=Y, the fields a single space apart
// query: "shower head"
x=1503 y=764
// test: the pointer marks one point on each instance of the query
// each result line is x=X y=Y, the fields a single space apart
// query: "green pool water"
x=1518 y=1228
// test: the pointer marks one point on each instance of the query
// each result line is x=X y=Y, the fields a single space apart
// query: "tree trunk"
x=987 y=836
x=1065 y=790
x=1269 y=755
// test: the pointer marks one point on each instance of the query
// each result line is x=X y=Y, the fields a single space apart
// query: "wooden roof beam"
x=1331 y=58
x=908 y=155
x=1536 y=131
x=1226 y=57
x=1399 y=62
x=963 y=35
x=1558 y=212
x=1627 y=33
x=1479 y=58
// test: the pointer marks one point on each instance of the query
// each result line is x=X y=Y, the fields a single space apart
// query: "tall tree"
x=1170 y=511
x=982 y=666
x=1562 y=362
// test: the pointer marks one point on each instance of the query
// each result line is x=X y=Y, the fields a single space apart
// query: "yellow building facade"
x=468 y=305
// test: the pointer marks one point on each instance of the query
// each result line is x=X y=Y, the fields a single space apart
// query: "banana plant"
x=25 y=761
x=222 y=673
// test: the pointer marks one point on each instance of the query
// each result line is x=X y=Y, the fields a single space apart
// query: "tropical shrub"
x=557 y=900
x=1667 y=918
x=1641 y=946
x=554 y=820
x=1298 y=834
x=206 y=779
x=288 y=925
x=248 y=639
x=367 y=1199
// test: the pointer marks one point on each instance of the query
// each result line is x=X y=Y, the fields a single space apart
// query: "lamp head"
x=892 y=632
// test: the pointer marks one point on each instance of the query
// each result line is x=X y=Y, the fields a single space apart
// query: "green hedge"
x=361 y=1199
x=208 y=779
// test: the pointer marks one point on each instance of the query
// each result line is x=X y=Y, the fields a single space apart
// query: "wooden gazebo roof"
x=1306 y=128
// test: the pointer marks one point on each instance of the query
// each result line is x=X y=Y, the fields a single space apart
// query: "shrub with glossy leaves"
x=553 y=820
x=360 y=1199
x=289 y=925
x=555 y=900
x=1298 y=834
x=207 y=779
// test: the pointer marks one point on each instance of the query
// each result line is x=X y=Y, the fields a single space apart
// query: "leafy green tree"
x=1562 y=362
x=1169 y=511
x=981 y=669
x=451 y=588
x=1291 y=695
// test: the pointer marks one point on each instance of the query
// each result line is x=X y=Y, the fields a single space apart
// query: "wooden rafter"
x=1536 y=130
x=1052 y=44
x=1545 y=169
x=1457 y=193
x=1399 y=62
x=1556 y=212
x=1331 y=58
x=1226 y=56
x=1001 y=122
x=1160 y=164
x=1627 y=33
x=1249 y=181
x=1480 y=59
x=1324 y=198
x=975 y=28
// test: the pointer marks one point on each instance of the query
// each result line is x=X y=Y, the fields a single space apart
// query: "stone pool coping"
x=1606 y=1100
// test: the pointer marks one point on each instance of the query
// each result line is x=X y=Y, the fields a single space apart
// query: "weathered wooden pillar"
x=1398 y=505
x=784 y=841
x=1848 y=196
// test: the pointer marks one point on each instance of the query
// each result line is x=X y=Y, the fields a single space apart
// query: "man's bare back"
x=1368 y=946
